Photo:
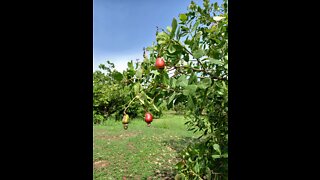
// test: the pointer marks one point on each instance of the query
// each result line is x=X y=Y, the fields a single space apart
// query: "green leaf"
x=217 y=148
x=169 y=29
x=162 y=35
x=171 y=49
x=226 y=66
x=195 y=26
x=215 y=61
x=139 y=73
x=224 y=155
x=208 y=173
x=198 y=53
x=218 y=18
x=218 y=84
x=150 y=48
x=212 y=29
x=193 y=77
x=162 y=41
x=183 y=17
x=179 y=165
x=130 y=65
x=224 y=85
x=190 y=102
x=136 y=88
x=205 y=83
x=188 y=42
x=186 y=58
x=197 y=168
x=141 y=100
x=162 y=38
x=145 y=96
x=216 y=7
x=180 y=176
x=216 y=156
x=182 y=81
x=163 y=104
x=117 y=76
x=102 y=66
x=155 y=72
x=185 y=92
x=172 y=97
x=155 y=107
x=174 y=27
x=178 y=35
x=173 y=82
x=184 y=29
x=190 y=90
x=165 y=78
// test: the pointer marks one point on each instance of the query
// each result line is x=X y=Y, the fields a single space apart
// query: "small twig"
x=201 y=65
x=131 y=79
x=171 y=69
x=124 y=112
x=182 y=46
x=195 y=69
x=214 y=77
x=190 y=54
x=165 y=87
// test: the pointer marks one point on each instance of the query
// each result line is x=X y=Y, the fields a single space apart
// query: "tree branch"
x=197 y=70
x=214 y=77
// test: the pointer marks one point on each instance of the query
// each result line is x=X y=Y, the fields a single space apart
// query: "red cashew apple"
x=160 y=63
x=148 y=118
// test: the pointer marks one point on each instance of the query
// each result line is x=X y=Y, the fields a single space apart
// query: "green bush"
x=179 y=108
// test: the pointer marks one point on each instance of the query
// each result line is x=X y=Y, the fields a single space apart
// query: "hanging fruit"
x=125 y=121
x=148 y=118
x=160 y=64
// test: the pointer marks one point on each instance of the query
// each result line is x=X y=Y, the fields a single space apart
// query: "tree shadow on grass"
x=165 y=174
x=177 y=145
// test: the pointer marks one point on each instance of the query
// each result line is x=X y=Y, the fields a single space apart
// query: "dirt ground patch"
x=100 y=164
x=130 y=146
x=107 y=137
x=117 y=137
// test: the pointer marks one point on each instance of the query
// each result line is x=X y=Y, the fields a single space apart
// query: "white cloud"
x=120 y=61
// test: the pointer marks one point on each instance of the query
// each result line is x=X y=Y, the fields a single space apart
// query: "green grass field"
x=140 y=152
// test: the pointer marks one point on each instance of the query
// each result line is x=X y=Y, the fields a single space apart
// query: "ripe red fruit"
x=160 y=63
x=148 y=118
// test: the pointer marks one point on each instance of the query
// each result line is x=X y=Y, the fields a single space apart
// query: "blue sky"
x=121 y=28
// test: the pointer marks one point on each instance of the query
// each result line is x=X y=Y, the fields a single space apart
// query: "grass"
x=140 y=152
